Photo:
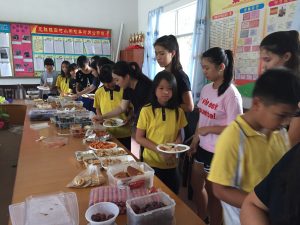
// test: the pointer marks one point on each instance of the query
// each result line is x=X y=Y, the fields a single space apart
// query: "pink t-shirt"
x=217 y=110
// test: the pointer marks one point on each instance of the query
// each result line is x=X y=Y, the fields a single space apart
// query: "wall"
x=89 y=13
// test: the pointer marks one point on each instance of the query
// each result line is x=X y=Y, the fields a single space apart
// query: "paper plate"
x=113 y=122
x=42 y=88
x=171 y=148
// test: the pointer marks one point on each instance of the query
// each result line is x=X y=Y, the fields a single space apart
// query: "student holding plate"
x=48 y=79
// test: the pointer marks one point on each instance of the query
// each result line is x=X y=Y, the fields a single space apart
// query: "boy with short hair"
x=48 y=78
x=249 y=147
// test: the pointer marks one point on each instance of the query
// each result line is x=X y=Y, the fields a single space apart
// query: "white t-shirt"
x=217 y=111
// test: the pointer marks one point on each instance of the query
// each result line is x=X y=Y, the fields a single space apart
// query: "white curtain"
x=200 y=44
x=149 y=65
x=296 y=20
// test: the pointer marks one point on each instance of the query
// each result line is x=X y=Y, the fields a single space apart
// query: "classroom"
x=141 y=112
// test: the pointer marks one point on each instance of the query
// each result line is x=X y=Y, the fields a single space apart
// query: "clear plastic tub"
x=143 y=180
x=55 y=142
x=41 y=114
x=34 y=210
x=77 y=131
x=162 y=215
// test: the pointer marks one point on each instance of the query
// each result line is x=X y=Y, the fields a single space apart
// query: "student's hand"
x=193 y=146
x=97 y=119
x=203 y=131
x=74 y=96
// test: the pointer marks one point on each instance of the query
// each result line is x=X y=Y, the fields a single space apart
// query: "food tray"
x=82 y=155
x=110 y=194
x=110 y=152
x=143 y=180
x=103 y=145
x=115 y=160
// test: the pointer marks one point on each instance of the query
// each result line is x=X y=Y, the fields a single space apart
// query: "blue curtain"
x=200 y=44
x=149 y=65
x=296 y=20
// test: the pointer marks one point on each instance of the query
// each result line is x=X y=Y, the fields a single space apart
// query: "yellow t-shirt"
x=107 y=100
x=160 y=132
x=63 y=84
x=258 y=154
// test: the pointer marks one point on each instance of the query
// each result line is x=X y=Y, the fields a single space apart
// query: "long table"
x=42 y=170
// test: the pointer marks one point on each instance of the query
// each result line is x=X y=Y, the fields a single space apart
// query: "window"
x=180 y=22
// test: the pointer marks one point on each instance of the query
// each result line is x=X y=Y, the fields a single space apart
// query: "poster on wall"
x=22 y=50
x=280 y=15
x=240 y=25
x=5 y=53
x=67 y=43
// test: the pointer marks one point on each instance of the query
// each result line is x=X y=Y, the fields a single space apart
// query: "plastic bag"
x=90 y=177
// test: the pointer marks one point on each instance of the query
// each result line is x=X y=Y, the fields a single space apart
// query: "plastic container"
x=77 y=131
x=55 y=142
x=60 y=205
x=144 y=180
x=41 y=114
x=162 y=215
x=106 y=208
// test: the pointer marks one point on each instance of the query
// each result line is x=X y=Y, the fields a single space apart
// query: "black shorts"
x=205 y=157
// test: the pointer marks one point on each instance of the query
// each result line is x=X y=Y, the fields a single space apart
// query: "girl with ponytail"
x=278 y=49
x=219 y=104
x=167 y=56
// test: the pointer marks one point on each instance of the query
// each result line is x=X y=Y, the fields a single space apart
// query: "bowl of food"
x=102 y=213
x=98 y=145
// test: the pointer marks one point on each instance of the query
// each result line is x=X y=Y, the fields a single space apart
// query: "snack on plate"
x=110 y=152
x=172 y=148
x=110 y=161
x=102 y=145
x=133 y=171
x=85 y=155
x=121 y=174
x=88 y=178
x=114 y=160
x=113 y=122
x=88 y=162
x=130 y=172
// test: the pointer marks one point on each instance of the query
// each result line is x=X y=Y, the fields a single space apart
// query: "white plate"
x=42 y=88
x=88 y=95
x=173 y=148
x=118 y=122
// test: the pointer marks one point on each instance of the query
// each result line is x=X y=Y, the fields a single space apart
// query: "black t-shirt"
x=96 y=82
x=139 y=96
x=72 y=85
x=84 y=80
x=183 y=84
x=272 y=190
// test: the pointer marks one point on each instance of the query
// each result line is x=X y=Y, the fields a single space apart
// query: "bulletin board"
x=23 y=47
x=240 y=25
